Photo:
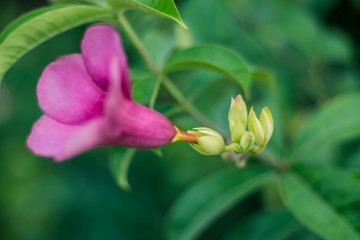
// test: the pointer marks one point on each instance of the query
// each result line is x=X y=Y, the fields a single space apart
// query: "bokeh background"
x=309 y=47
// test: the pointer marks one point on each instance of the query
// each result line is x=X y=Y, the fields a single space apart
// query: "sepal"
x=209 y=142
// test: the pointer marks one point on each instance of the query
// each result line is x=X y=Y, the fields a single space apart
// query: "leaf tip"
x=182 y=24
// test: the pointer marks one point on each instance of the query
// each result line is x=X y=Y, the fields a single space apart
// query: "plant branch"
x=179 y=97
x=170 y=87
x=155 y=91
x=138 y=44
x=186 y=105
x=271 y=160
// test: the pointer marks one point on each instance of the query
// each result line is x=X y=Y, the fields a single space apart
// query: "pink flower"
x=87 y=103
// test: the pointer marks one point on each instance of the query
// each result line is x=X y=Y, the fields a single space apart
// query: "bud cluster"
x=209 y=142
x=259 y=130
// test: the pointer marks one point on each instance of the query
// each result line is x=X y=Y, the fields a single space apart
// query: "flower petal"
x=130 y=124
x=88 y=136
x=101 y=44
x=142 y=127
x=50 y=138
x=66 y=92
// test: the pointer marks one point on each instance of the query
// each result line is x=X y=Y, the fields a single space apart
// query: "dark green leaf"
x=200 y=205
x=353 y=161
x=265 y=225
x=216 y=58
x=36 y=27
x=163 y=8
x=336 y=121
x=325 y=200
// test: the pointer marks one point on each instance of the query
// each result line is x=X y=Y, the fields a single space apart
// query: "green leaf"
x=142 y=89
x=265 y=225
x=95 y=2
x=325 y=200
x=162 y=8
x=36 y=27
x=158 y=152
x=262 y=77
x=336 y=121
x=212 y=57
x=353 y=161
x=200 y=205
x=120 y=163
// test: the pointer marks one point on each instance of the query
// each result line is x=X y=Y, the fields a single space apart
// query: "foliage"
x=287 y=55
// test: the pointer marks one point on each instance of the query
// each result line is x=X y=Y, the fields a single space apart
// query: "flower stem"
x=184 y=136
x=230 y=147
x=271 y=160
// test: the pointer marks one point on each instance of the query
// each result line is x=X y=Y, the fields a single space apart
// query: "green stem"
x=155 y=92
x=230 y=147
x=186 y=105
x=170 y=87
x=138 y=44
x=271 y=160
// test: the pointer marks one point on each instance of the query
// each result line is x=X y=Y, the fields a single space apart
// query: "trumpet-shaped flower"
x=87 y=103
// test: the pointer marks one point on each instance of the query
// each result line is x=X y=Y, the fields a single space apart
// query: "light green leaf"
x=120 y=164
x=36 y=27
x=325 y=200
x=212 y=57
x=200 y=205
x=162 y=8
x=336 y=121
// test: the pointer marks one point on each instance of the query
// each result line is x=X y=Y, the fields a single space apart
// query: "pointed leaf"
x=265 y=225
x=336 y=121
x=212 y=57
x=200 y=205
x=163 y=8
x=36 y=27
x=325 y=200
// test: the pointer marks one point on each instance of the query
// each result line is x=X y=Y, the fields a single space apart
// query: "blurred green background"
x=310 y=47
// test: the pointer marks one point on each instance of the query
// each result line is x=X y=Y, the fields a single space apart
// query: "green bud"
x=209 y=141
x=237 y=118
x=267 y=123
x=247 y=141
x=256 y=128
